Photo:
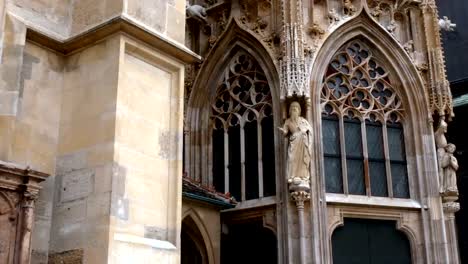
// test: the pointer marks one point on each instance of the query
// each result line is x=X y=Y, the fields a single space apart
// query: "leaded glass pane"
x=374 y=141
x=268 y=153
x=333 y=178
x=378 y=179
x=218 y=159
x=400 y=181
x=355 y=177
x=234 y=162
x=396 y=143
x=251 y=160
x=353 y=138
x=331 y=136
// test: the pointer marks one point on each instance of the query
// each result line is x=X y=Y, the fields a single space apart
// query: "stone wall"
x=96 y=118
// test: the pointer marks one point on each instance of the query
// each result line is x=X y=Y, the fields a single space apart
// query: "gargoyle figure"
x=197 y=12
x=446 y=24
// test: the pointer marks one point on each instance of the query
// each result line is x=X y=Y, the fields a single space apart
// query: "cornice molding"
x=122 y=24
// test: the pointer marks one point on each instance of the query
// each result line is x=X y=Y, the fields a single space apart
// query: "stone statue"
x=449 y=166
x=197 y=12
x=441 y=143
x=299 y=132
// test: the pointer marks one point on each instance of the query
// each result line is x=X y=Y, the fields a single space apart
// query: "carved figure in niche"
x=197 y=12
x=409 y=48
x=333 y=16
x=392 y=27
x=449 y=166
x=300 y=145
x=349 y=8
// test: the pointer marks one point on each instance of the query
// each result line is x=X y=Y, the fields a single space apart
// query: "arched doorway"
x=368 y=241
x=193 y=249
x=249 y=243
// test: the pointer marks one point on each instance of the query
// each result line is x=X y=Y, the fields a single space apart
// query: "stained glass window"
x=362 y=132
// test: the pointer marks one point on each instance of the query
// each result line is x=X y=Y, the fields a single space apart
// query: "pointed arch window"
x=242 y=131
x=362 y=131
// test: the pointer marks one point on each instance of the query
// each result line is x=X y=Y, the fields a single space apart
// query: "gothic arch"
x=233 y=39
x=407 y=81
x=192 y=216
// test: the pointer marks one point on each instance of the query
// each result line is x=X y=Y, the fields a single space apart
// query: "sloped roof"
x=195 y=190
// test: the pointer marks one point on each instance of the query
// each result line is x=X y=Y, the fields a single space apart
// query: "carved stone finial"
x=446 y=24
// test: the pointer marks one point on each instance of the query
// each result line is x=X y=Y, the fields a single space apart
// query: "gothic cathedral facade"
x=225 y=131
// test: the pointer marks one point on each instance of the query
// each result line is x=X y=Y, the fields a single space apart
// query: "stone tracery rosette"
x=243 y=95
x=357 y=85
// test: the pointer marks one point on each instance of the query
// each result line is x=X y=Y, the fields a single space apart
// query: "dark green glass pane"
x=218 y=159
x=251 y=160
x=396 y=144
x=375 y=141
x=333 y=178
x=400 y=181
x=353 y=139
x=268 y=153
x=355 y=177
x=378 y=179
x=234 y=162
x=330 y=136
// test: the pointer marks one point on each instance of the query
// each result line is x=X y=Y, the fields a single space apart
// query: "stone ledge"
x=123 y=24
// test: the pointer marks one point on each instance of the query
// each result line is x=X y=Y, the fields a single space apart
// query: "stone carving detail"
x=349 y=8
x=358 y=82
x=196 y=11
x=333 y=16
x=440 y=98
x=295 y=63
x=299 y=132
x=448 y=164
x=446 y=24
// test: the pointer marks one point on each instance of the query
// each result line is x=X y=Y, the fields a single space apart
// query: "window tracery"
x=242 y=131
x=362 y=128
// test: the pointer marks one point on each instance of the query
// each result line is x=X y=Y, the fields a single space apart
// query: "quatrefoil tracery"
x=356 y=81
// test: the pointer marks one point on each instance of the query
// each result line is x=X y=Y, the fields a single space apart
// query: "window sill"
x=334 y=198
